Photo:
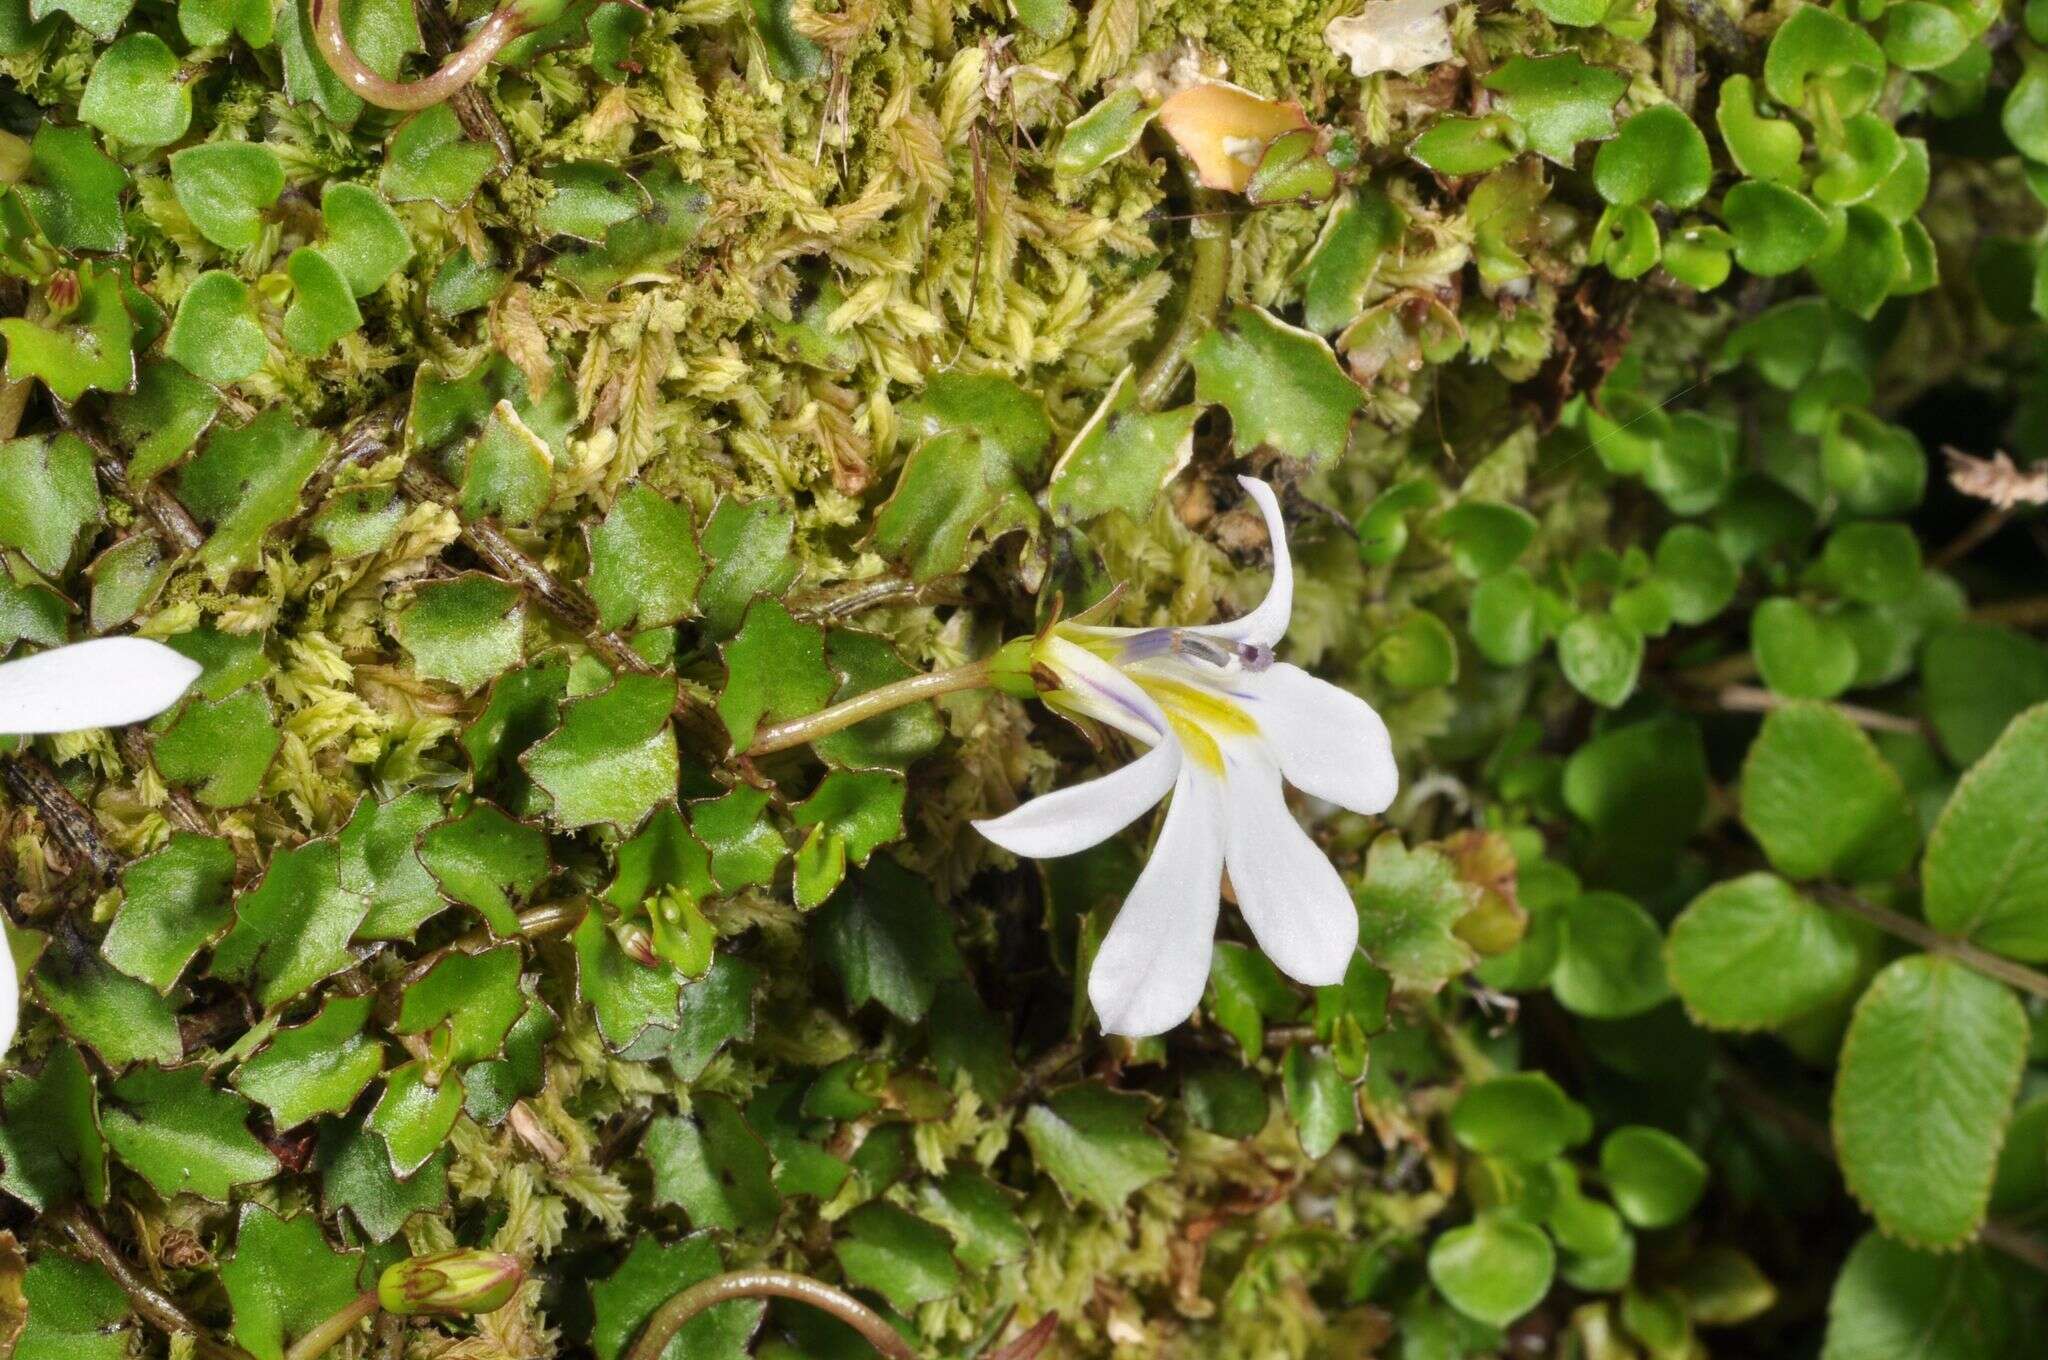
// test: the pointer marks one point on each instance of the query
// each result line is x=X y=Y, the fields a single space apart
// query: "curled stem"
x=861 y=707
x=759 y=1284
x=322 y=1338
x=458 y=71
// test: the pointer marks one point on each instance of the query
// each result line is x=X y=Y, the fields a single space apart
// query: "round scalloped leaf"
x=315 y=1068
x=589 y=198
x=1776 y=229
x=1469 y=146
x=1822 y=801
x=292 y=930
x=428 y=158
x=224 y=188
x=365 y=239
x=467 y=631
x=322 y=309
x=415 y=1115
x=1282 y=386
x=183 y=1135
x=487 y=861
x=775 y=669
x=1762 y=147
x=48 y=495
x=172 y=903
x=1122 y=457
x=1494 y=1269
x=645 y=566
x=138 y=93
x=209 y=23
x=247 y=481
x=77 y=199
x=1751 y=953
x=1818 y=54
x=1657 y=157
x=1856 y=159
x=284 y=1280
x=215 y=333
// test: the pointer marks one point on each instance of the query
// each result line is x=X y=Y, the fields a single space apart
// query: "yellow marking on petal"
x=1206 y=707
x=1196 y=743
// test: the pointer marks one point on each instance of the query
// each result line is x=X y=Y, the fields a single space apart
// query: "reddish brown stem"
x=756 y=1284
x=458 y=71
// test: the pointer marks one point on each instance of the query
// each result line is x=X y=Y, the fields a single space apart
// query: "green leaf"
x=378 y=864
x=1978 y=677
x=1655 y=1179
x=1522 y=1115
x=1986 y=872
x=415 y=1115
x=1776 y=229
x=126 y=579
x=1610 y=962
x=365 y=239
x=588 y=197
x=223 y=749
x=613 y=759
x=775 y=669
x=355 y=1174
x=487 y=861
x=629 y=997
x=1493 y=1269
x=1245 y=992
x=1484 y=537
x=1282 y=386
x=1409 y=905
x=651 y=241
x=1469 y=146
x=183 y=1136
x=210 y=23
x=899 y=1256
x=1601 y=656
x=1817 y=54
x=101 y=18
x=77 y=200
x=509 y=472
x=982 y=450
x=1122 y=458
x=1559 y=101
x=1319 y=1099
x=428 y=158
x=1361 y=228
x=162 y=419
x=712 y=1011
x=1877 y=469
x=1891 y=1302
x=1227 y=1101
x=649 y=1276
x=224 y=187
x=1506 y=618
x=1751 y=953
x=48 y=495
x=122 y=1020
x=1822 y=802
x=245 y=482
x=90 y=348
x=1657 y=157
x=283 y=1280
x=173 y=903
x=1802 y=653
x=1106 y=131
x=644 y=563
x=491 y=1088
x=1865 y=262
x=713 y=1167
x=50 y=1141
x=75 y=1312
x=322 y=310
x=1096 y=1145
x=887 y=939
x=316 y=1068
x=467 y=631
x=1929 y=1068
x=292 y=930
x=849 y=816
x=137 y=93
x=1642 y=789
x=1763 y=148
x=466 y=1003
x=747 y=544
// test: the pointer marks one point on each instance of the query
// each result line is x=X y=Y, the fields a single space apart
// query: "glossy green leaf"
x=51 y=1147
x=1978 y=677
x=1494 y=1269
x=1610 y=961
x=292 y=929
x=283 y=1280
x=1282 y=386
x=1751 y=953
x=775 y=670
x=1655 y=1179
x=428 y=158
x=713 y=1167
x=1657 y=157
x=119 y=1018
x=1929 y=1068
x=222 y=749
x=1601 y=656
x=378 y=864
x=899 y=1256
x=893 y=740
x=1776 y=229
x=1122 y=458
x=969 y=481
x=1469 y=146
x=1822 y=802
x=316 y=1068
x=849 y=816
x=614 y=756
x=747 y=551
x=1361 y=228
x=630 y=998
x=1891 y=1301
x=48 y=495
x=215 y=333
x=184 y=1136
x=173 y=903
x=245 y=482
x=89 y=347
x=1105 y=132
x=466 y=1004
x=322 y=309
x=1985 y=876
x=137 y=94
x=365 y=239
x=1763 y=148
x=1096 y=1145
x=487 y=861
x=1801 y=652
x=1559 y=100
x=650 y=1274
x=644 y=562
x=1484 y=537
x=1319 y=1100
x=415 y=1115
x=355 y=1174
x=467 y=631
x=1817 y=54
x=77 y=197
x=1523 y=1115
x=75 y=1312
x=1409 y=904
x=888 y=941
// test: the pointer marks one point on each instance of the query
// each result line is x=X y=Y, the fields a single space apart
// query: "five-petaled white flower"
x=1226 y=724
x=108 y=682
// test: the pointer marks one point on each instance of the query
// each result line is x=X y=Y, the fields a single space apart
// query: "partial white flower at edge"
x=1392 y=35
x=1225 y=724
x=109 y=682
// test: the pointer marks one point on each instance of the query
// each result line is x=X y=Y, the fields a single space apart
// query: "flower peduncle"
x=505 y=24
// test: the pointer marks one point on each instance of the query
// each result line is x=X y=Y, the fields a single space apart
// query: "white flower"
x=1392 y=35
x=105 y=683
x=1226 y=724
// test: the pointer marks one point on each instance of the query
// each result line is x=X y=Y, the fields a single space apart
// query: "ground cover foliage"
x=511 y=464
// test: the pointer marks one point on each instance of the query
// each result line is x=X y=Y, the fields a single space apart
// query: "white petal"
x=108 y=682
x=1298 y=909
x=1267 y=623
x=1073 y=819
x=1149 y=974
x=1094 y=688
x=1330 y=743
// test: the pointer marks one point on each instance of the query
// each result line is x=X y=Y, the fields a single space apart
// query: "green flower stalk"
x=492 y=36
x=458 y=1283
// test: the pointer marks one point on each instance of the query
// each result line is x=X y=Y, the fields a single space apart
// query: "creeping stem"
x=1209 y=226
x=874 y=703
x=458 y=71
x=322 y=1338
x=758 y=1284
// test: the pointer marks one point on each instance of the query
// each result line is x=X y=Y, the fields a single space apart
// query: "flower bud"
x=450 y=1284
